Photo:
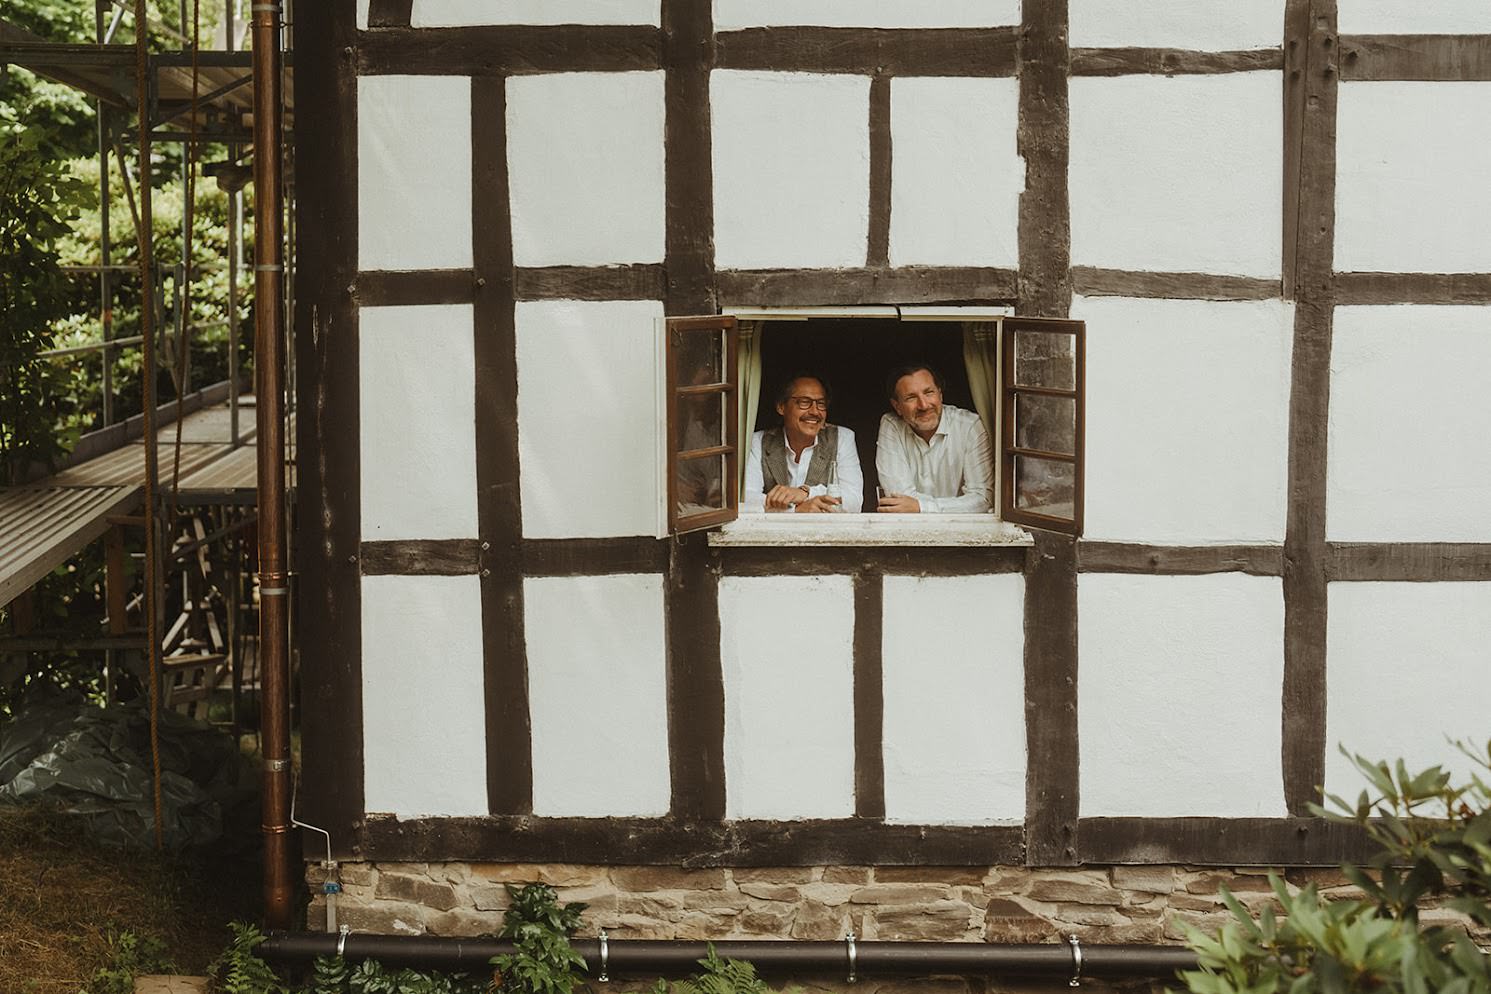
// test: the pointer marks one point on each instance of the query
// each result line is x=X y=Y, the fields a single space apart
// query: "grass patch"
x=68 y=906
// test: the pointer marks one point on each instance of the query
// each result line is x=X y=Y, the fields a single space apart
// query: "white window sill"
x=869 y=529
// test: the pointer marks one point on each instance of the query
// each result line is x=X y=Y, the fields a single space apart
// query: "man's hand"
x=899 y=504
x=780 y=498
x=820 y=504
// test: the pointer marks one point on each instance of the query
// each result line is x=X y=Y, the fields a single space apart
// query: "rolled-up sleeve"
x=752 y=497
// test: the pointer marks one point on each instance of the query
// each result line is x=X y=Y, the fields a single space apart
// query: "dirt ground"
x=65 y=901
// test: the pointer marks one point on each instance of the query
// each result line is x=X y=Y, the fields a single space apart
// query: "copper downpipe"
x=269 y=360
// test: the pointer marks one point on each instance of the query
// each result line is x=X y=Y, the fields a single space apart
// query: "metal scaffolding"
x=241 y=99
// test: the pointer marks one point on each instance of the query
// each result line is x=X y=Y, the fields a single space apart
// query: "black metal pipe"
x=651 y=957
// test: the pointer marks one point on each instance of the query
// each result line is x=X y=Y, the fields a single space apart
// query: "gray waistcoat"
x=774 y=471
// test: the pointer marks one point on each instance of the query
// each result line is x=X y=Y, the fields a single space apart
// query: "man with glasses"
x=931 y=457
x=802 y=466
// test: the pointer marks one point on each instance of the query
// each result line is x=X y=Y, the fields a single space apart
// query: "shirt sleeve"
x=890 y=457
x=851 y=477
x=753 y=496
x=977 y=494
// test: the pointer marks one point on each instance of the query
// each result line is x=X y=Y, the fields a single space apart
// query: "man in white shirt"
x=931 y=457
x=801 y=467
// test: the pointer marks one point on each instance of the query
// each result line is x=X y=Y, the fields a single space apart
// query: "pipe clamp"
x=342 y=933
x=853 y=950
x=1076 y=980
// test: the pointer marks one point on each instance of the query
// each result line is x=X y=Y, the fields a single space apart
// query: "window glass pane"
x=1045 y=487
x=1046 y=423
x=700 y=356
x=701 y=421
x=700 y=485
x=1045 y=359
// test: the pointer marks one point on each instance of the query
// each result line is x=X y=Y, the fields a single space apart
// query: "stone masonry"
x=1118 y=904
x=1001 y=904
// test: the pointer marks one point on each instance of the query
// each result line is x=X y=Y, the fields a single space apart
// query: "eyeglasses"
x=803 y=403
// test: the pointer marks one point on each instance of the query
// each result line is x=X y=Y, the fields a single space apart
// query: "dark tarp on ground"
x=94 y=764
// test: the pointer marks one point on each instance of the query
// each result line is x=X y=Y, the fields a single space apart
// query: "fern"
x=239 y=971
x=721 y=976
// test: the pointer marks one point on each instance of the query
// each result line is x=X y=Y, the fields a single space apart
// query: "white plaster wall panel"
x=729 y=14
x=417 y=421
x=1179 y=693
x=585 y=168
x=954 y=689
x=1408 y=459
x=956 y=176
x=1178 y=174
x=791 y=169
x=1220 y=475
x=362 y=13
x=597 y=695
x=1396 y=17
x=786 y=649
x=461 y=13
x=586 y=396
x=1407 y=674
x=1204 y=25
x=1413 y=177
x=422 y=707
x=413 y=207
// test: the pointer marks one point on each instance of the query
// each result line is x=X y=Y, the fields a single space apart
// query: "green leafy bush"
x=130 y=954
x=540 y=927
x=1435 y=846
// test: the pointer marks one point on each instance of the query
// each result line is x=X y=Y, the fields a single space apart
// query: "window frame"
x=1009 y=451
x=673 y=523
x=729 y=387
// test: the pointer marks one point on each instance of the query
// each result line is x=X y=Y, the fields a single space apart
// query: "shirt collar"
x=806 y=449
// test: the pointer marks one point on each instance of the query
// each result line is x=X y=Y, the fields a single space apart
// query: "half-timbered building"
x=1213 y=273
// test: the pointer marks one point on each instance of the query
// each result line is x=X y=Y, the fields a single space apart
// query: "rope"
x=188 y=209
x=152 y=468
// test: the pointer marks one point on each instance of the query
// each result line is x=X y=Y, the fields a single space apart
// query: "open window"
x=702 y=397
x=1024 y=378
x=1041 y=450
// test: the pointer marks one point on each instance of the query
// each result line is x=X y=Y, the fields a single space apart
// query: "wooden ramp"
x=41 y=527
x=45 y=523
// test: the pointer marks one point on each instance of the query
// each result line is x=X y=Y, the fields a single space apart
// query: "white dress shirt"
x=846 y=466
x=953 y=473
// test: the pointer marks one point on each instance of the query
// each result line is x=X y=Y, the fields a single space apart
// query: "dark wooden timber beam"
x=1171 y=61
x=873 y=285
x=1441 y=58
x=1413 y=288
x=872 y=51
x=1161 y=560
x=424 y=557
x=1310 y=95
x=499 y=507
x=329 y=525
x=642 y=281
x=1093 y=282
x=1411 y=561
x=679 y=842
x=503 y=50
x=1221 y=841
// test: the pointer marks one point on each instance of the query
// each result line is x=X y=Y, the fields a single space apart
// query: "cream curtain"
x=749 y=371
x=981 y=358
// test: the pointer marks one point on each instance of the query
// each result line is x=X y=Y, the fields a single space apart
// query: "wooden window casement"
x=1041 y=446
x=701 y=389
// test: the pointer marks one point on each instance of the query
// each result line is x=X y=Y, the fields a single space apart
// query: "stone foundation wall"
x=1116 y=904
x=1143 y=904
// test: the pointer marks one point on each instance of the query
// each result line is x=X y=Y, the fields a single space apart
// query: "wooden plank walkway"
x=45 y=523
